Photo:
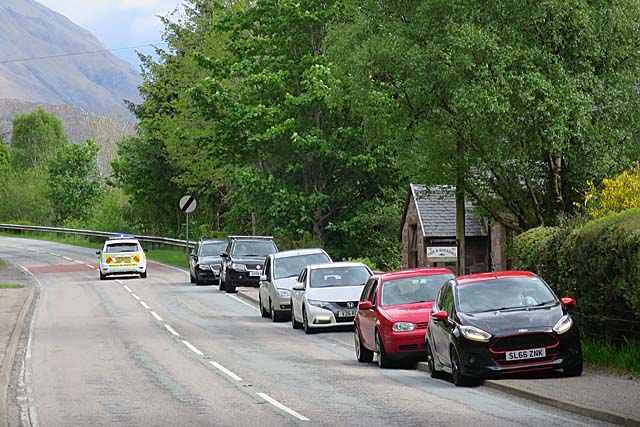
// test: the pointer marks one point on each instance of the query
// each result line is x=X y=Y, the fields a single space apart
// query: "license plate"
x=347 y=313
x=533 y=353
x=254 y=273
x=120 y=260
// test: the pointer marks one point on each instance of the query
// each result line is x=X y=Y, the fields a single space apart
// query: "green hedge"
x=598 y=263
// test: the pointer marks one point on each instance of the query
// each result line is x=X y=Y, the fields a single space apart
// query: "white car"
x=326 y=295
x=122 y=256
x=280 y=273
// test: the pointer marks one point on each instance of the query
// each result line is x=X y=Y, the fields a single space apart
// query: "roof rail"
x=252 y=237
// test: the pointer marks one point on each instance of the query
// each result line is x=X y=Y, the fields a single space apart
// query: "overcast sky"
x=118 y=23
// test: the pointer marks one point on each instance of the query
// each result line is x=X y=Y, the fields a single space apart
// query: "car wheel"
x=275 y=317
x=363 y=354
x=431 y=362
x=263 y=312
x=143 y=275
x=220 y=284
x=305 y=322
x=458 y=379
x=383 y=358
x=573 y=371
x=294 y=323
x=230 y=287
x=103 y=276
x=191 y=278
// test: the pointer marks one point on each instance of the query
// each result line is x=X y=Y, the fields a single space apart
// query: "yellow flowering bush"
x=616 y=195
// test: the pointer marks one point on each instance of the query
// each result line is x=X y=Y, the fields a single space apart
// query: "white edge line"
x=121 y=282
x=67 y=258
x=155 y=315
x=126 y=288
x=54 y=254
x=90 y=266
x=144 y=304
x=78 y=262
x=243 y=302
x=192 y=348
x=226 y=371
x=282 y=407
x=33 y=250
x=136 y=296
x=173 y=331
x=26 y=270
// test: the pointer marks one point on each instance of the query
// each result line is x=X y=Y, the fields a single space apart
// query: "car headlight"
x=238 y=267
x=403 y=327
x=317 y=303
x=475 y=334
x=285 y=293
x=204 y=267
x=564 y=324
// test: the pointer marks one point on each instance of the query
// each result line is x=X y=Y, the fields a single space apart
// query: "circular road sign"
x=188 y=204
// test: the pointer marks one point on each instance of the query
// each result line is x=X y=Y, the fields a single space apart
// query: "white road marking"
x=136 y=296
x=226 y=371
x=282 y=407
x=26 y=270
x=173 y=331
x=154 y=314
x=67 y=258
x=90 y=266
x=192 y=348
x=243 y=302
x=144 y=304
x=54 y=254
x=128 y=289
x=121 y=282
x=78 y=262
x=33 y=250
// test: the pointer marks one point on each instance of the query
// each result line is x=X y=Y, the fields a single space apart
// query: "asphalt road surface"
x=161 y=351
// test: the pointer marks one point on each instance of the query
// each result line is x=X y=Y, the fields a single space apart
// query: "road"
x=161 y=351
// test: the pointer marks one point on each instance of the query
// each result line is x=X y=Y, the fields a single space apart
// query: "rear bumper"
x=108 y=270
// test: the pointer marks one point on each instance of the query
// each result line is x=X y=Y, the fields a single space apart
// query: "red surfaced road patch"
x=66 y=268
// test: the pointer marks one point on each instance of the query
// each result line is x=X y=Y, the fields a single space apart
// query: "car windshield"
x=254 y=248
x=291 y=266
x=116 y=248
x=338 y=276
x=412 y=289
x=212 y=249
x=510 y=293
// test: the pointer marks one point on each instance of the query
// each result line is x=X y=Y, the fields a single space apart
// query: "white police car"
x=122 y=255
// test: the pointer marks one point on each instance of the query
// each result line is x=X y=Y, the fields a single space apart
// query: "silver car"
x=280 y=272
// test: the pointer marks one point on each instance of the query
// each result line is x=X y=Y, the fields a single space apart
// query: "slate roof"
x=437 y=212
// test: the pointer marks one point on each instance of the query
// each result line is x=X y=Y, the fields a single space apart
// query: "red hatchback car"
x=393 y=314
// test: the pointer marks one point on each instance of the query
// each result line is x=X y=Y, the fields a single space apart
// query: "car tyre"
x=263 y=312
x=275 y=317
x=230 y=287
x=191 y=278
x=431 y=362
x=143 y=275
x=363 y=354
x=294 y=323
x=383 y=359
x=305 y=323
x=221 y=284
x=573 y=371
x=103 y=276
x=458 y=379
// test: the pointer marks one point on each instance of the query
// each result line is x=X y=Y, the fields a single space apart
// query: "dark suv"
x=205 y=261
x=243 y=261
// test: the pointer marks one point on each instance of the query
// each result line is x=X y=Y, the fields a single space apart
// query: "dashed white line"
x=121 y=282
x=67 y=258
x=192 y=348
x=243 y=302
x=173 y=331
x=26 y=270
x=144 y=304
x=282 y=407
x=126 y=288
x=136 y=296
x=154 y=314
x=90 y=266
x=33 y=250
x=226 y=371
x=78 y=262
x=54 y=254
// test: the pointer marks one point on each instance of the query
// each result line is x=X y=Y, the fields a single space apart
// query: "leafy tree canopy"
x=35 y=138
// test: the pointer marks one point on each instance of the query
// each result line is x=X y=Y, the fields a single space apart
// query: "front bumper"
x=326 y=318
x=209 y=274
x=243 y=278
x=405 y=344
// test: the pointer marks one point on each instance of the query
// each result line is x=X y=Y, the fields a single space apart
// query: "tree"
x=5 y=157
x=74 y=181
x=617 y=194
x=35 y=138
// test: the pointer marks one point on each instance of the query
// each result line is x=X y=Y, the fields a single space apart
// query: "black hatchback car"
x=490 y=324
x=205 y=261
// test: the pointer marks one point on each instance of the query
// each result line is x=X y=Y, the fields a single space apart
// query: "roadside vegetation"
x=10 y=286
x=307 y=121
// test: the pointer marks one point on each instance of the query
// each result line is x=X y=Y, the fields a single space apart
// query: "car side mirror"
x=193 y=254
x=568 y=301
x=298 y=287
x=224 y=255
x=98 y=252
x=440 y=315
x=365 y=305
x=263 y=278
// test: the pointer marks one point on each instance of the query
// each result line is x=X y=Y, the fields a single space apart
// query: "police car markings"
x=144 y=304
x=128 y=289
x=154 y=314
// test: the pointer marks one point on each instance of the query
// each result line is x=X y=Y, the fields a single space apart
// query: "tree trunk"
x=555 y=181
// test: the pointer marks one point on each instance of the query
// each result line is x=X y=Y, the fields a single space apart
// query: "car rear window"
x=116 y=248
x=338 y=276
x=412 y=289
x=504 y=294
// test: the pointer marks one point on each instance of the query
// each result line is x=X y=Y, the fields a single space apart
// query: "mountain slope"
x=96 y=81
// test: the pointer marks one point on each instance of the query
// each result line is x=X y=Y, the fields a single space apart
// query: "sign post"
x=187 y=205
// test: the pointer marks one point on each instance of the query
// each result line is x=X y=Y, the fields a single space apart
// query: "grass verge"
x=621 y=358
x=11 y=286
